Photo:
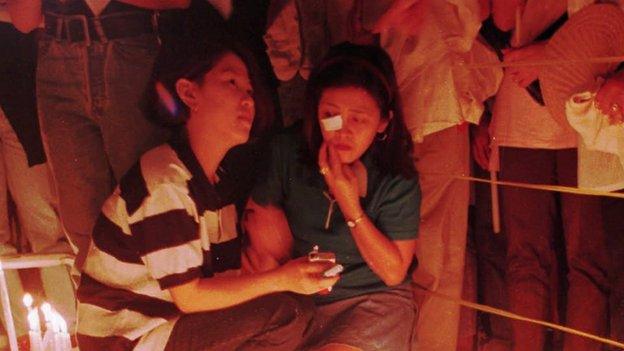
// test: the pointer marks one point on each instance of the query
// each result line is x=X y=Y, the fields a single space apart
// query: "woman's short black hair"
x=191 y=60
x=370 y=68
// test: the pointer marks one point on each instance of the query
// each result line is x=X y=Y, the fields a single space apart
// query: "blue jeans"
x=92 y=121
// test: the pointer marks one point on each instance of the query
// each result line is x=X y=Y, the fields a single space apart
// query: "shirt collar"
x=207 y=195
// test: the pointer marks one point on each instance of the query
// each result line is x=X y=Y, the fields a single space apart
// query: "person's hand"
x=406 y=16
x=481 y=146
x=524 y=75
x=254 y=262
x=303 y=277
x=610 y=98
x=341 y=181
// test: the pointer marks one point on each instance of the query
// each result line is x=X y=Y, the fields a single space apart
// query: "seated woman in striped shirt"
x=347 y=184
x=163 y=269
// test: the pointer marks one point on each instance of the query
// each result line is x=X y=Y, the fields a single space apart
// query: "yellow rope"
x=546 y=187
x=551 y=62
x=507 y=314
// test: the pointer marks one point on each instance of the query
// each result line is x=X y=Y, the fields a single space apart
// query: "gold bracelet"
x=353 y=223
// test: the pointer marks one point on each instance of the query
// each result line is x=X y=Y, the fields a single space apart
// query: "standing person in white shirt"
x=426 y=43
x=535 y=148
x=597 y=115
x=598 y=119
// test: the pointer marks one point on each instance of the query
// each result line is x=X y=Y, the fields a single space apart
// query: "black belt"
x=80 y=28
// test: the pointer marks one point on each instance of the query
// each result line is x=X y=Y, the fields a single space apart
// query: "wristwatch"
x=354 y=222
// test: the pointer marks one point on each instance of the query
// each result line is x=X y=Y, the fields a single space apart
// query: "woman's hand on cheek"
x=341 y=181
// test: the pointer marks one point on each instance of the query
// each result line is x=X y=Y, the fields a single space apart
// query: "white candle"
x=34 y=334
x=65 y=340
x=62 y=341
x=48 y=336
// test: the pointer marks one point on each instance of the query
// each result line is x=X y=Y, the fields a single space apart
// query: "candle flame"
x=28 y=300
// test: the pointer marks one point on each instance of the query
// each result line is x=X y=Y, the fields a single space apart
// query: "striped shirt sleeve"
x=166 y=235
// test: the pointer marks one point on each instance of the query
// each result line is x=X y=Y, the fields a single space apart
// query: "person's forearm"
x=268 y=231
x=222 y=292
x=380 y=253
x=25 y=14
x=159 y=4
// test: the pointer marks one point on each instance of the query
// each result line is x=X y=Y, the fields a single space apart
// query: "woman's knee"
x=289 y=310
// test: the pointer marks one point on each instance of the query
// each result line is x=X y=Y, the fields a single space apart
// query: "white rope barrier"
x=545 y=187
x=36 y=261
x=547 y=62
x=485 y=308
x=507 y=314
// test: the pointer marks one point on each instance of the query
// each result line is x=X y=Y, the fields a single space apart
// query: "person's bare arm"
x=25 y=14
x=209 y=294
x=389 y=259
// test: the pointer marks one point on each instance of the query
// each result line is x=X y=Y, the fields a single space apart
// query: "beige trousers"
x=442 y=236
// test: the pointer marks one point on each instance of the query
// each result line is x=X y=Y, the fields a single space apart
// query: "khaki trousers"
x=442 y=236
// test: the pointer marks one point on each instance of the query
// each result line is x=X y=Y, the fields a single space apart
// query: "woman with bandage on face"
x=346 y=183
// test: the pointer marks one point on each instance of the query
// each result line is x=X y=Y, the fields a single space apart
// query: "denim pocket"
x=43 y=47
x=136 y=49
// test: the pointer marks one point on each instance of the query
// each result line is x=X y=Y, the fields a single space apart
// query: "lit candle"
x=64 y=335
x=28 y=301
x=48 y=336
x=62 y=341
x=34 y=334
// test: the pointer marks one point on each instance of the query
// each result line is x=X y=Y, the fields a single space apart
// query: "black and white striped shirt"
x=164 y=225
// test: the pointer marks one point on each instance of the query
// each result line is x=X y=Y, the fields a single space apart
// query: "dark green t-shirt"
x=392 y=203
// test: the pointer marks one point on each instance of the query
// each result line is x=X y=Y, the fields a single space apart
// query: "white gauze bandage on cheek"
x=332 y=124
